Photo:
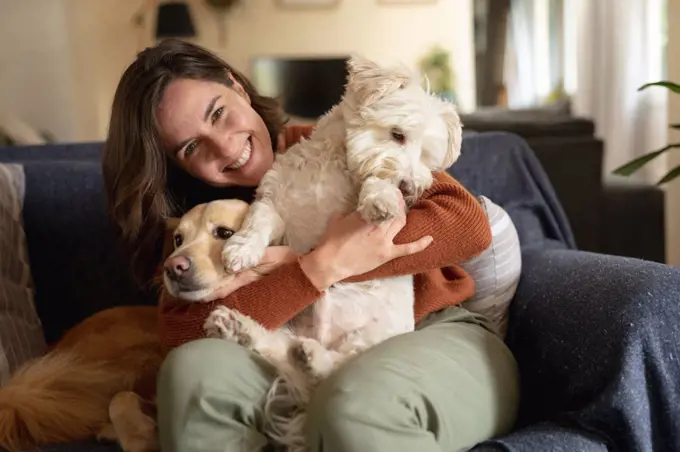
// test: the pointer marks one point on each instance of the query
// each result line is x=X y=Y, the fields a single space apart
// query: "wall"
x=60 y=62
x=102 y=42
x=384 y=32
x=85 y=45
x=673 y=189
x=35 y=77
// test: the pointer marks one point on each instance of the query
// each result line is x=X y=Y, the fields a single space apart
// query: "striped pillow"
x=21 y=336
x=497 y=270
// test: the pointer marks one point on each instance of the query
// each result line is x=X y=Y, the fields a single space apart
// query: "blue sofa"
x=592 y=333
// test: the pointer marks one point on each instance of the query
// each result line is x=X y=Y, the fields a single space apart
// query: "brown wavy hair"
x=142 y=185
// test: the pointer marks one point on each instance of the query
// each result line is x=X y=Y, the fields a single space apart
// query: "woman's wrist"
x=319 y=269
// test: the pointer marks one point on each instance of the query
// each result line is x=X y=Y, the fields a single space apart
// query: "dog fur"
x=99 y=380
x=386 y=135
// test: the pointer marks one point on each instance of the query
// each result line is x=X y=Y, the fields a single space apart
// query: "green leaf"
x=670 y=85
x=634 y=165
x=672 y=174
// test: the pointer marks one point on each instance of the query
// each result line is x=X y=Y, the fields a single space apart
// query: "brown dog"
x=99 y=380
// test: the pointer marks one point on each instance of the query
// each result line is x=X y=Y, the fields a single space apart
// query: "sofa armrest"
x=545 y=436
x=574 y=166
x=633 y=219
x=593 y=335
x=502 y=167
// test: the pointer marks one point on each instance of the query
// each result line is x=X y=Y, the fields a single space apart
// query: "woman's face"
x=213 y=133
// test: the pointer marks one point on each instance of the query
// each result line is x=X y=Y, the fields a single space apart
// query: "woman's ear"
x=238 y=87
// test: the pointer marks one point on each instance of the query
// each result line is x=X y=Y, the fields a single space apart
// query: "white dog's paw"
x=225 y=323
x=311 y=357
x=381 y=206
x=242 y=252
x=354 y=342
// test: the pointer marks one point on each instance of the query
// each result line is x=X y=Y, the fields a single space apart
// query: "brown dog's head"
x=194 y=269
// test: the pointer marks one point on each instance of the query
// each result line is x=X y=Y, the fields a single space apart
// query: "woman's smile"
x=244 y=157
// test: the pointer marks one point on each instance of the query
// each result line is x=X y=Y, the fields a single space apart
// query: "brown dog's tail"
x=57 y=398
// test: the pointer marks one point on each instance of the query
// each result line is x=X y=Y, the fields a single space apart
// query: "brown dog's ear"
x=171 y=223
x=368 y=82
x=168 y=237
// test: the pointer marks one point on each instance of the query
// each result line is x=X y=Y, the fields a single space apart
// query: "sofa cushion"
x=77 y=265
x=21 y=335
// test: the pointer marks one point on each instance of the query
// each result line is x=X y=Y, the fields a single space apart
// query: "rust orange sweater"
x=447 y=212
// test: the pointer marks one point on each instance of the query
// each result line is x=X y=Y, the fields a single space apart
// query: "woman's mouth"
x=246 y=153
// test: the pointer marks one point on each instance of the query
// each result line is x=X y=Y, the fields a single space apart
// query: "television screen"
x=306 y=87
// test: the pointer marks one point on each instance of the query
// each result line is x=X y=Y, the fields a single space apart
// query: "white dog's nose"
x=407 y=188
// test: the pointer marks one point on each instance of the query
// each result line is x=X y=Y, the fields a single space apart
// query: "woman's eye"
x=216 y=115
x=223 y=233
x=191 y=147
x=178 y=241
x=398 y=136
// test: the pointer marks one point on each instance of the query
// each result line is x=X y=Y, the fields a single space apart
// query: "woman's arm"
x=449 y=214
x=272 y=301
x=446 y=212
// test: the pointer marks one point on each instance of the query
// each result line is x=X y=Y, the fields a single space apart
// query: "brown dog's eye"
x=398 y=136
x=223 y=233
x=178 y=241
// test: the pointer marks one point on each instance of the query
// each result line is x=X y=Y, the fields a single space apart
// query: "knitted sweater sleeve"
x=447 y=212
x=455 y=220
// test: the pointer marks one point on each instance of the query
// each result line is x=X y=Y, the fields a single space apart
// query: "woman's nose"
x=223 y=146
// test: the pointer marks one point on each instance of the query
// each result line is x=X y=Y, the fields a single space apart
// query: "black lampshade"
x=174 y=21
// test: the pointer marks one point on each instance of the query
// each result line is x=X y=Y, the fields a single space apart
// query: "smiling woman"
x=214 y=133
x=201 y=121
x=185 y=126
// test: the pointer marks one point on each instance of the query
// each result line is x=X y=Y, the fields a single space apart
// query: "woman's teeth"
x=244 y=157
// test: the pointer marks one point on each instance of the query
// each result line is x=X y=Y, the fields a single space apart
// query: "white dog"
x=384 y=139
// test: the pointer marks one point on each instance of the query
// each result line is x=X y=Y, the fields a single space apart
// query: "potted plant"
x=436 y=66
x=634 y=165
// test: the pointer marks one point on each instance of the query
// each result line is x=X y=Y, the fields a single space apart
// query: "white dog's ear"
x=358 y=64
x=368 y=82
x=454 y=129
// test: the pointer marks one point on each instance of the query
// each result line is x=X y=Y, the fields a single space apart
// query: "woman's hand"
x=351 y=247
x=274 y=257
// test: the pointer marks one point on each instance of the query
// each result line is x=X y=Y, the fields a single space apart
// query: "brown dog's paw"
x=107 y=434
x=133 y=429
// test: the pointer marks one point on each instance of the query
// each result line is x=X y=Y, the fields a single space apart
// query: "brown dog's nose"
x=407 y=188
x=176 y=267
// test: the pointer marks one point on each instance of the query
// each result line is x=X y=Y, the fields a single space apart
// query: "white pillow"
x=497 y=270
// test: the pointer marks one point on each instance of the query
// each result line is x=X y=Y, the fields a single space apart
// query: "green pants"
x=444 y=387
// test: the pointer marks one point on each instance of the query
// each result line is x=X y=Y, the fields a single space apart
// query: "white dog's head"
x=396 y=130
